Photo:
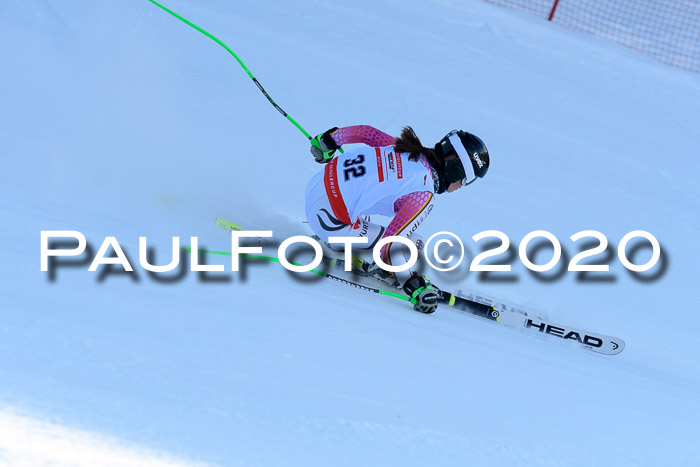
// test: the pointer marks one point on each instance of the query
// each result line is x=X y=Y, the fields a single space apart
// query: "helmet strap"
x=438 y=168
x=439 y=183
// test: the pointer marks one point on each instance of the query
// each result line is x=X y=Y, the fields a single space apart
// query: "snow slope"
x=117 y=119
x=28 y=442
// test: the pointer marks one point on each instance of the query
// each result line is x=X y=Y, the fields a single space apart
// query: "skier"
x=394 y=177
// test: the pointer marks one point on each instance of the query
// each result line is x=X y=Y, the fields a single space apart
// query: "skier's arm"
x=410 y=210
x=362 y=134
x=323 y=146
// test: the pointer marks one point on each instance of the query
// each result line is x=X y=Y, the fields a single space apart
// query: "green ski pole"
x=315 y=271
x=240 y=62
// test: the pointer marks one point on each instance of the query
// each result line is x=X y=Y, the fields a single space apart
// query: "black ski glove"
x=323 y=146
x=423 y=295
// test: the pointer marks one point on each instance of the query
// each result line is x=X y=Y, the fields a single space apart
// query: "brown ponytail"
x=409 y=142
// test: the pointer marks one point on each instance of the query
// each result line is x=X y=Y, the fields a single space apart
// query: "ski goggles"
x=457 y=169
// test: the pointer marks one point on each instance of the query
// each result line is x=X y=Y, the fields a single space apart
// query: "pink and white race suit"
x=373 y=179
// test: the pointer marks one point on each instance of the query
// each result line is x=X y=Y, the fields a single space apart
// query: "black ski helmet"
x=466 y=146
